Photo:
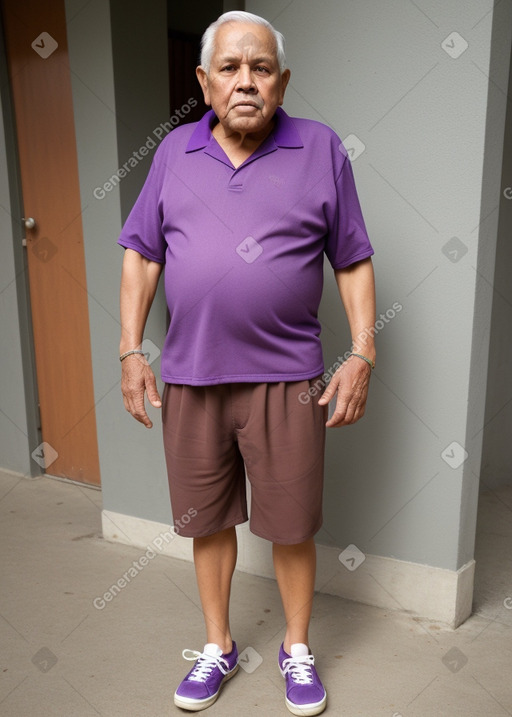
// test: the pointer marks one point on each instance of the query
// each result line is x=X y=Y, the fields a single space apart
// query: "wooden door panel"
x=41 y=88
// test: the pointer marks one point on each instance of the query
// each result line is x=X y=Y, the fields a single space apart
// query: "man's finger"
x=152 y=391
x=137 y=408
x=339 y=415
x=143 y=417
x=329 y=391
x=347 y=412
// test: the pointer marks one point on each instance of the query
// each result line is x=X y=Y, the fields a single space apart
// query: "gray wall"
x=378 y=71
x=141 y=86
x=496 y=453
x=118 y=56
x=110 y=126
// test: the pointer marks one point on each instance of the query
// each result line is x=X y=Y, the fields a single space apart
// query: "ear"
x=285 y=78
x=203 y=81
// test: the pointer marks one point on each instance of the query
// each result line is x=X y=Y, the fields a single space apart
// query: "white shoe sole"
x=307 y=710
x=187 y=703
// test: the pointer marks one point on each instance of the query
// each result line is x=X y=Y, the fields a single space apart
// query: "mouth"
x=247 y=104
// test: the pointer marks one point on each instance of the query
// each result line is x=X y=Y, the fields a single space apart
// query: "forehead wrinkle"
x=236 y=53
x=231 y=43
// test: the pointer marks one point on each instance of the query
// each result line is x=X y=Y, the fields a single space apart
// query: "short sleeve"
x=142 y=230
x=347 y=241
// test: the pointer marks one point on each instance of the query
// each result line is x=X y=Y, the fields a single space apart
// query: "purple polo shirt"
x=243 y=248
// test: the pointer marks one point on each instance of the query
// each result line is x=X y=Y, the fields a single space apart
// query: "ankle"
x=226 y=647
x=225 y=643
x=288 y=642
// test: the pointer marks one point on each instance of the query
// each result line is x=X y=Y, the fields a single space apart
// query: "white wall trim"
x=422 y=590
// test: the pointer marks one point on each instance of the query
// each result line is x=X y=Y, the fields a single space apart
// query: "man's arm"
x=356 y=285
x=139 y=280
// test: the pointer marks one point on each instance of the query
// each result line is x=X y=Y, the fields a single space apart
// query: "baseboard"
x=422 y=590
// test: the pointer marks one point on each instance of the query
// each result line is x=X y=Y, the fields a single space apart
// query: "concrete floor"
x=63 y=657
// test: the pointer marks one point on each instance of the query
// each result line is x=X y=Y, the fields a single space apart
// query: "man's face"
x=244 y=85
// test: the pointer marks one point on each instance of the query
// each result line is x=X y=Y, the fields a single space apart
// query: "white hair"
x=208 y=39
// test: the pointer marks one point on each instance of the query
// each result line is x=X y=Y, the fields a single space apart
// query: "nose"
x=245 y=81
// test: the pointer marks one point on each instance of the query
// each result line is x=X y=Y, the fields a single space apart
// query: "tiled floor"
x=64 y=657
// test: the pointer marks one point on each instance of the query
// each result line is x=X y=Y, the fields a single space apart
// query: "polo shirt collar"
x=284 y=134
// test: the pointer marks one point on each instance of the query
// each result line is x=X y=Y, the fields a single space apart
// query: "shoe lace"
x=205 y=665
x=299 y=669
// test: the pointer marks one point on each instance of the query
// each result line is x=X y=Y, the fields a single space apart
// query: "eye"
x=228 y=68
x=261 y=69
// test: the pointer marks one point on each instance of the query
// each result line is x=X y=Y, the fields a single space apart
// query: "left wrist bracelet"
x=129 y=353
x=365 y=358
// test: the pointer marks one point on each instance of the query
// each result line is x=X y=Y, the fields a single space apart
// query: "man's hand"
x=137 y=379
x=350 y=382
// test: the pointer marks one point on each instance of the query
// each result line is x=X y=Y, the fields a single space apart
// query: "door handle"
x=29 y=223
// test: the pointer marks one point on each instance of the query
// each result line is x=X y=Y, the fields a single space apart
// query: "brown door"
x=37 y=56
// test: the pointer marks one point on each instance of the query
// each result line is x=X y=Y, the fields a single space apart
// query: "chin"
x=248 y=124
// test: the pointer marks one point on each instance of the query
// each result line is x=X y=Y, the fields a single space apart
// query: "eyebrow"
x=262 y=58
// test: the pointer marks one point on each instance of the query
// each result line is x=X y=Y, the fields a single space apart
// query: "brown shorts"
x=213 y=434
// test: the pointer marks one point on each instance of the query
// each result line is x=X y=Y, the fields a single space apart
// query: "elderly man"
x=239 y=208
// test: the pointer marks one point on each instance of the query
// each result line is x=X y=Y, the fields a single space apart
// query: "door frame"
x=30 y=389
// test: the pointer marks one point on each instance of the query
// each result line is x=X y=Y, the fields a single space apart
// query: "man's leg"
x=214 y=560
x=295 y=568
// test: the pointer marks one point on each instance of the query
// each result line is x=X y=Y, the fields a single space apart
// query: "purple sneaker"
x=201 y=686
x=305 y=694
